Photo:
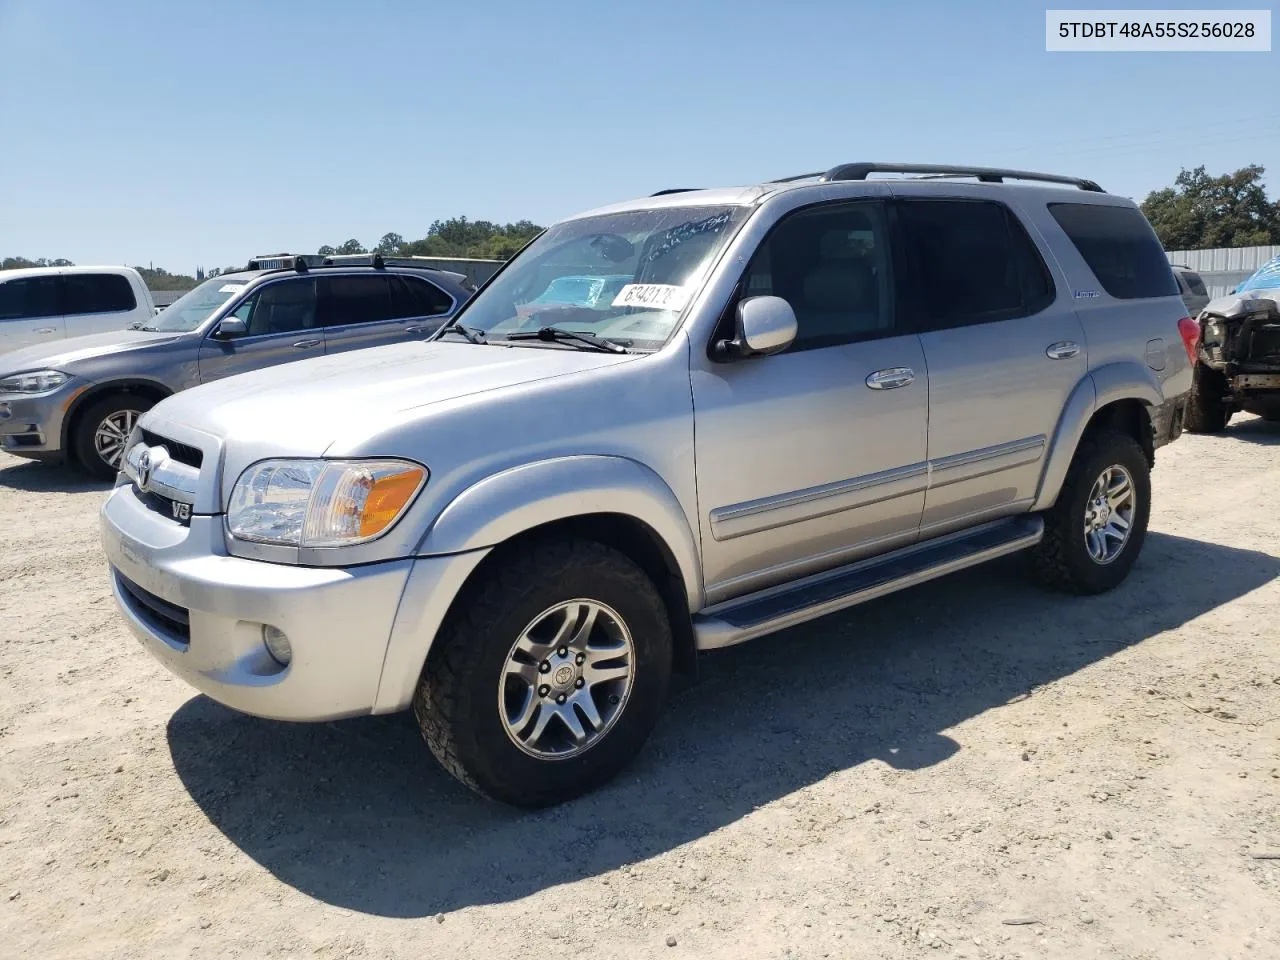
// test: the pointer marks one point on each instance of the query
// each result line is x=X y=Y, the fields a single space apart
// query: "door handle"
x=46 y=330
x=416 y=329
x=307 y=343
x=1063 y=350
x=891 y=378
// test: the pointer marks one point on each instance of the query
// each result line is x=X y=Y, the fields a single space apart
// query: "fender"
x=1107 y=384
x=505 y=504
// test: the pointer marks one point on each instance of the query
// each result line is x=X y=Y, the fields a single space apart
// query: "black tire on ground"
x=1206 y=411
x=83 y=448
x=1062 y=560
x=457 y=700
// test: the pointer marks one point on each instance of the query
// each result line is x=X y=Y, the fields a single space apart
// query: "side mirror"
x=232 y=327
x=765 y=326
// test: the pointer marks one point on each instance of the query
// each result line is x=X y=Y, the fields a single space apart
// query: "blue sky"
x=185 y=133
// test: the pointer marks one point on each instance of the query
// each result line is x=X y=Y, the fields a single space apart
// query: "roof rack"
x=663 y=193
x=860 y=171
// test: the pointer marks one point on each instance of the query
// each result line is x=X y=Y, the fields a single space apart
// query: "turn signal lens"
x=322 y=503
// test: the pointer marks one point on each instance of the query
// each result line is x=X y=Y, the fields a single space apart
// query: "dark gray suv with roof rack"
x=79 y=399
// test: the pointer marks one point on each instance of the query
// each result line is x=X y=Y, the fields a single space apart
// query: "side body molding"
x=508 y=503
x=1106 y=384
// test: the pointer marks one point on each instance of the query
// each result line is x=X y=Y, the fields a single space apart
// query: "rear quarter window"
x=96 y=293
x=1120 y=248
x=1195 y=283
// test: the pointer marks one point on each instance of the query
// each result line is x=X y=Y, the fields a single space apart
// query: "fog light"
x=277 y=644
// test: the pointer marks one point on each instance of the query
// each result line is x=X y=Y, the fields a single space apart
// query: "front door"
x=29 y=312
x=815 y=456
x=371 y=309
x=1004 y=349
x=281 y=321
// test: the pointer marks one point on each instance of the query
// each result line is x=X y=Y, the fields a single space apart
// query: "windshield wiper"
x=148 y=329
x=471 y=333
x=579 y=338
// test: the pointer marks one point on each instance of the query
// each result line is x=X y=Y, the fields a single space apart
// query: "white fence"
x=1224 y=267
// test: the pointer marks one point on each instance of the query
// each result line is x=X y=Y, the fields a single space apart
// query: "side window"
x=412 y=297
x=1120 y=248
x=364 y=298
x=832 y=264
x=286 y=306
x=28 y=298
x=1195 y=283
x=96 y=293
x=971 y=262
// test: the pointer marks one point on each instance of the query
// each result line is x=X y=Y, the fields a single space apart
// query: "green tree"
x=389 y=245
x=326 y=251
x=1200 y=212
x=352 y=246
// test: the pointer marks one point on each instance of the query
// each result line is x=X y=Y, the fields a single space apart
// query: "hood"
x=61 y=354
x=1223 y=305
x=302 y=408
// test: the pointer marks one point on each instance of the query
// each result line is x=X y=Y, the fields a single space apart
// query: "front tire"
x=1095 y=531
x=1207 y=411
x=98 y=439
x=548 y=674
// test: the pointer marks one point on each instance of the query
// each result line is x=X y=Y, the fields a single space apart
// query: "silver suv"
x=78 y=399
x=807 y=394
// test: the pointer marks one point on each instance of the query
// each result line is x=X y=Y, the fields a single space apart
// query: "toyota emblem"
x=144 y=469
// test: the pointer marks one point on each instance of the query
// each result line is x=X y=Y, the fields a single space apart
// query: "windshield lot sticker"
x=652 y=296
x=231 y=288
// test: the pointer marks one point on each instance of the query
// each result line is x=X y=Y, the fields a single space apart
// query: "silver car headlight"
x=322 y=503
x=37 y=381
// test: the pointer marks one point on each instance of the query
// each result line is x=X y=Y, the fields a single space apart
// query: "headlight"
x=322 y=503
x=38 y=381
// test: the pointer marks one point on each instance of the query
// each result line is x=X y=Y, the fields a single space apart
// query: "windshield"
x=194 y=307
x=1267 y=277
x=625 y=277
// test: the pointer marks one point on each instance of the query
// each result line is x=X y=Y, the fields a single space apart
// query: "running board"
x=777 y=608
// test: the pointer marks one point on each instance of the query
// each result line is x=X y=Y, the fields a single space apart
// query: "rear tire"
x=99 y=436
x=1082 y=550
x=1206 y=411
x=523 y=640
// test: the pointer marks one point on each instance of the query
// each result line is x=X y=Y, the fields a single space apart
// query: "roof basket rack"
x=285 y=261
x=860 y=171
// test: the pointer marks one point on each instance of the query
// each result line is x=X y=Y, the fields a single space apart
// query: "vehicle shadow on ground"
x=35 y=477
x=357 y=814
x=1255 y=430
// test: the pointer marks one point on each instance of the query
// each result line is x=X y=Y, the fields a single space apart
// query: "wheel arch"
x=151 y=389
x=1119 y=396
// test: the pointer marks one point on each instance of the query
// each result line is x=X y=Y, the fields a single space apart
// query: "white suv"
x=40 y=304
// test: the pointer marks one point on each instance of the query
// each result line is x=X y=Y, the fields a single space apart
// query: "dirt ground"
x=974 y=768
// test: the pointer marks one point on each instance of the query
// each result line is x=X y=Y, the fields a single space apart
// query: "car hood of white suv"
x=302 y=408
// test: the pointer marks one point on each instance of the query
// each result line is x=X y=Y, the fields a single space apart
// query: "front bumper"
x=200 y=612
x=31 y=426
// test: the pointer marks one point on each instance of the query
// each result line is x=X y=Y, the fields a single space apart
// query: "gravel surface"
x=973 y=768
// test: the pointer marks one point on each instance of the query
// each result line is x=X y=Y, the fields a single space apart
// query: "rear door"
x=281 y=320
x=29 y=312
x=96 y=302
x=372 y=309
x=1004 y=350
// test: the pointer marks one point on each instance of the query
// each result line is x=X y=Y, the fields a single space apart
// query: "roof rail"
x=376 y=260
x=663 y=193
x=859 y=171
x=798 y=176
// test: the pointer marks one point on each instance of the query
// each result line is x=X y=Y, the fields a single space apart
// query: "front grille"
x=161 y=615
x=181 y=452
x=1266 y=343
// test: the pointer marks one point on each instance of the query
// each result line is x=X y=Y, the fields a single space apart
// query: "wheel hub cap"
x=1108 y=515
x=566 y=679
x=112 y=434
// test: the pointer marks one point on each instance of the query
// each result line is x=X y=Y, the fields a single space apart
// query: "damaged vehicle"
x=1238 y=359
